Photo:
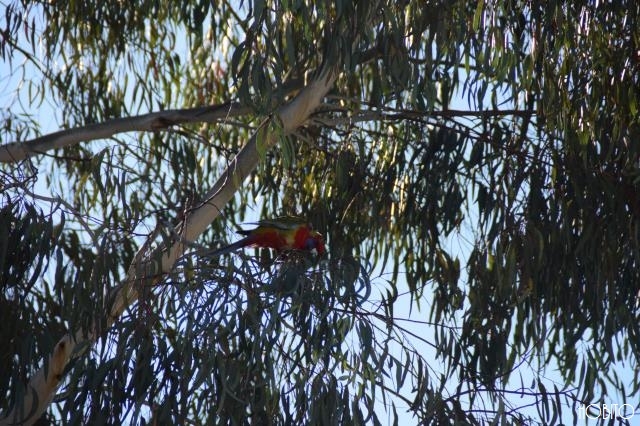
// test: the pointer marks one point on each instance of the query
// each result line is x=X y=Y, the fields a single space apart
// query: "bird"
x=280 y=234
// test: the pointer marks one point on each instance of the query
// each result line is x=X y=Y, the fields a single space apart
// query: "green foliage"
x=27 y=241
x=483 y=153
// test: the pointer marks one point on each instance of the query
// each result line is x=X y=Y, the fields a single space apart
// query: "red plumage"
x=278 y=235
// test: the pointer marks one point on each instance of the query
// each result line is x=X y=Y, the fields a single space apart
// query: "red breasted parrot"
x=279 y=234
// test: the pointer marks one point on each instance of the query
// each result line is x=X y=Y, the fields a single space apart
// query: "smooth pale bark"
x=150 y=265
x=155 y=121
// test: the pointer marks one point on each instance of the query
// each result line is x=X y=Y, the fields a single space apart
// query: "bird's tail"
x=229 y=248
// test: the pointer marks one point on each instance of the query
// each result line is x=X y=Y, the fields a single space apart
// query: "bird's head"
x=315 y=241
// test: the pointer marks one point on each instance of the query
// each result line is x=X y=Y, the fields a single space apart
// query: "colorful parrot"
x=279 y=234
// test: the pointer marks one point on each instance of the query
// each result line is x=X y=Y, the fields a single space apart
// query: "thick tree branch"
x=150 y=265
x=155 y=121
x=161 y=120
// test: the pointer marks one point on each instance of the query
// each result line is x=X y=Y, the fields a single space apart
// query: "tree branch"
x=391 y=114
x=161 y=120
x=155 y=121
